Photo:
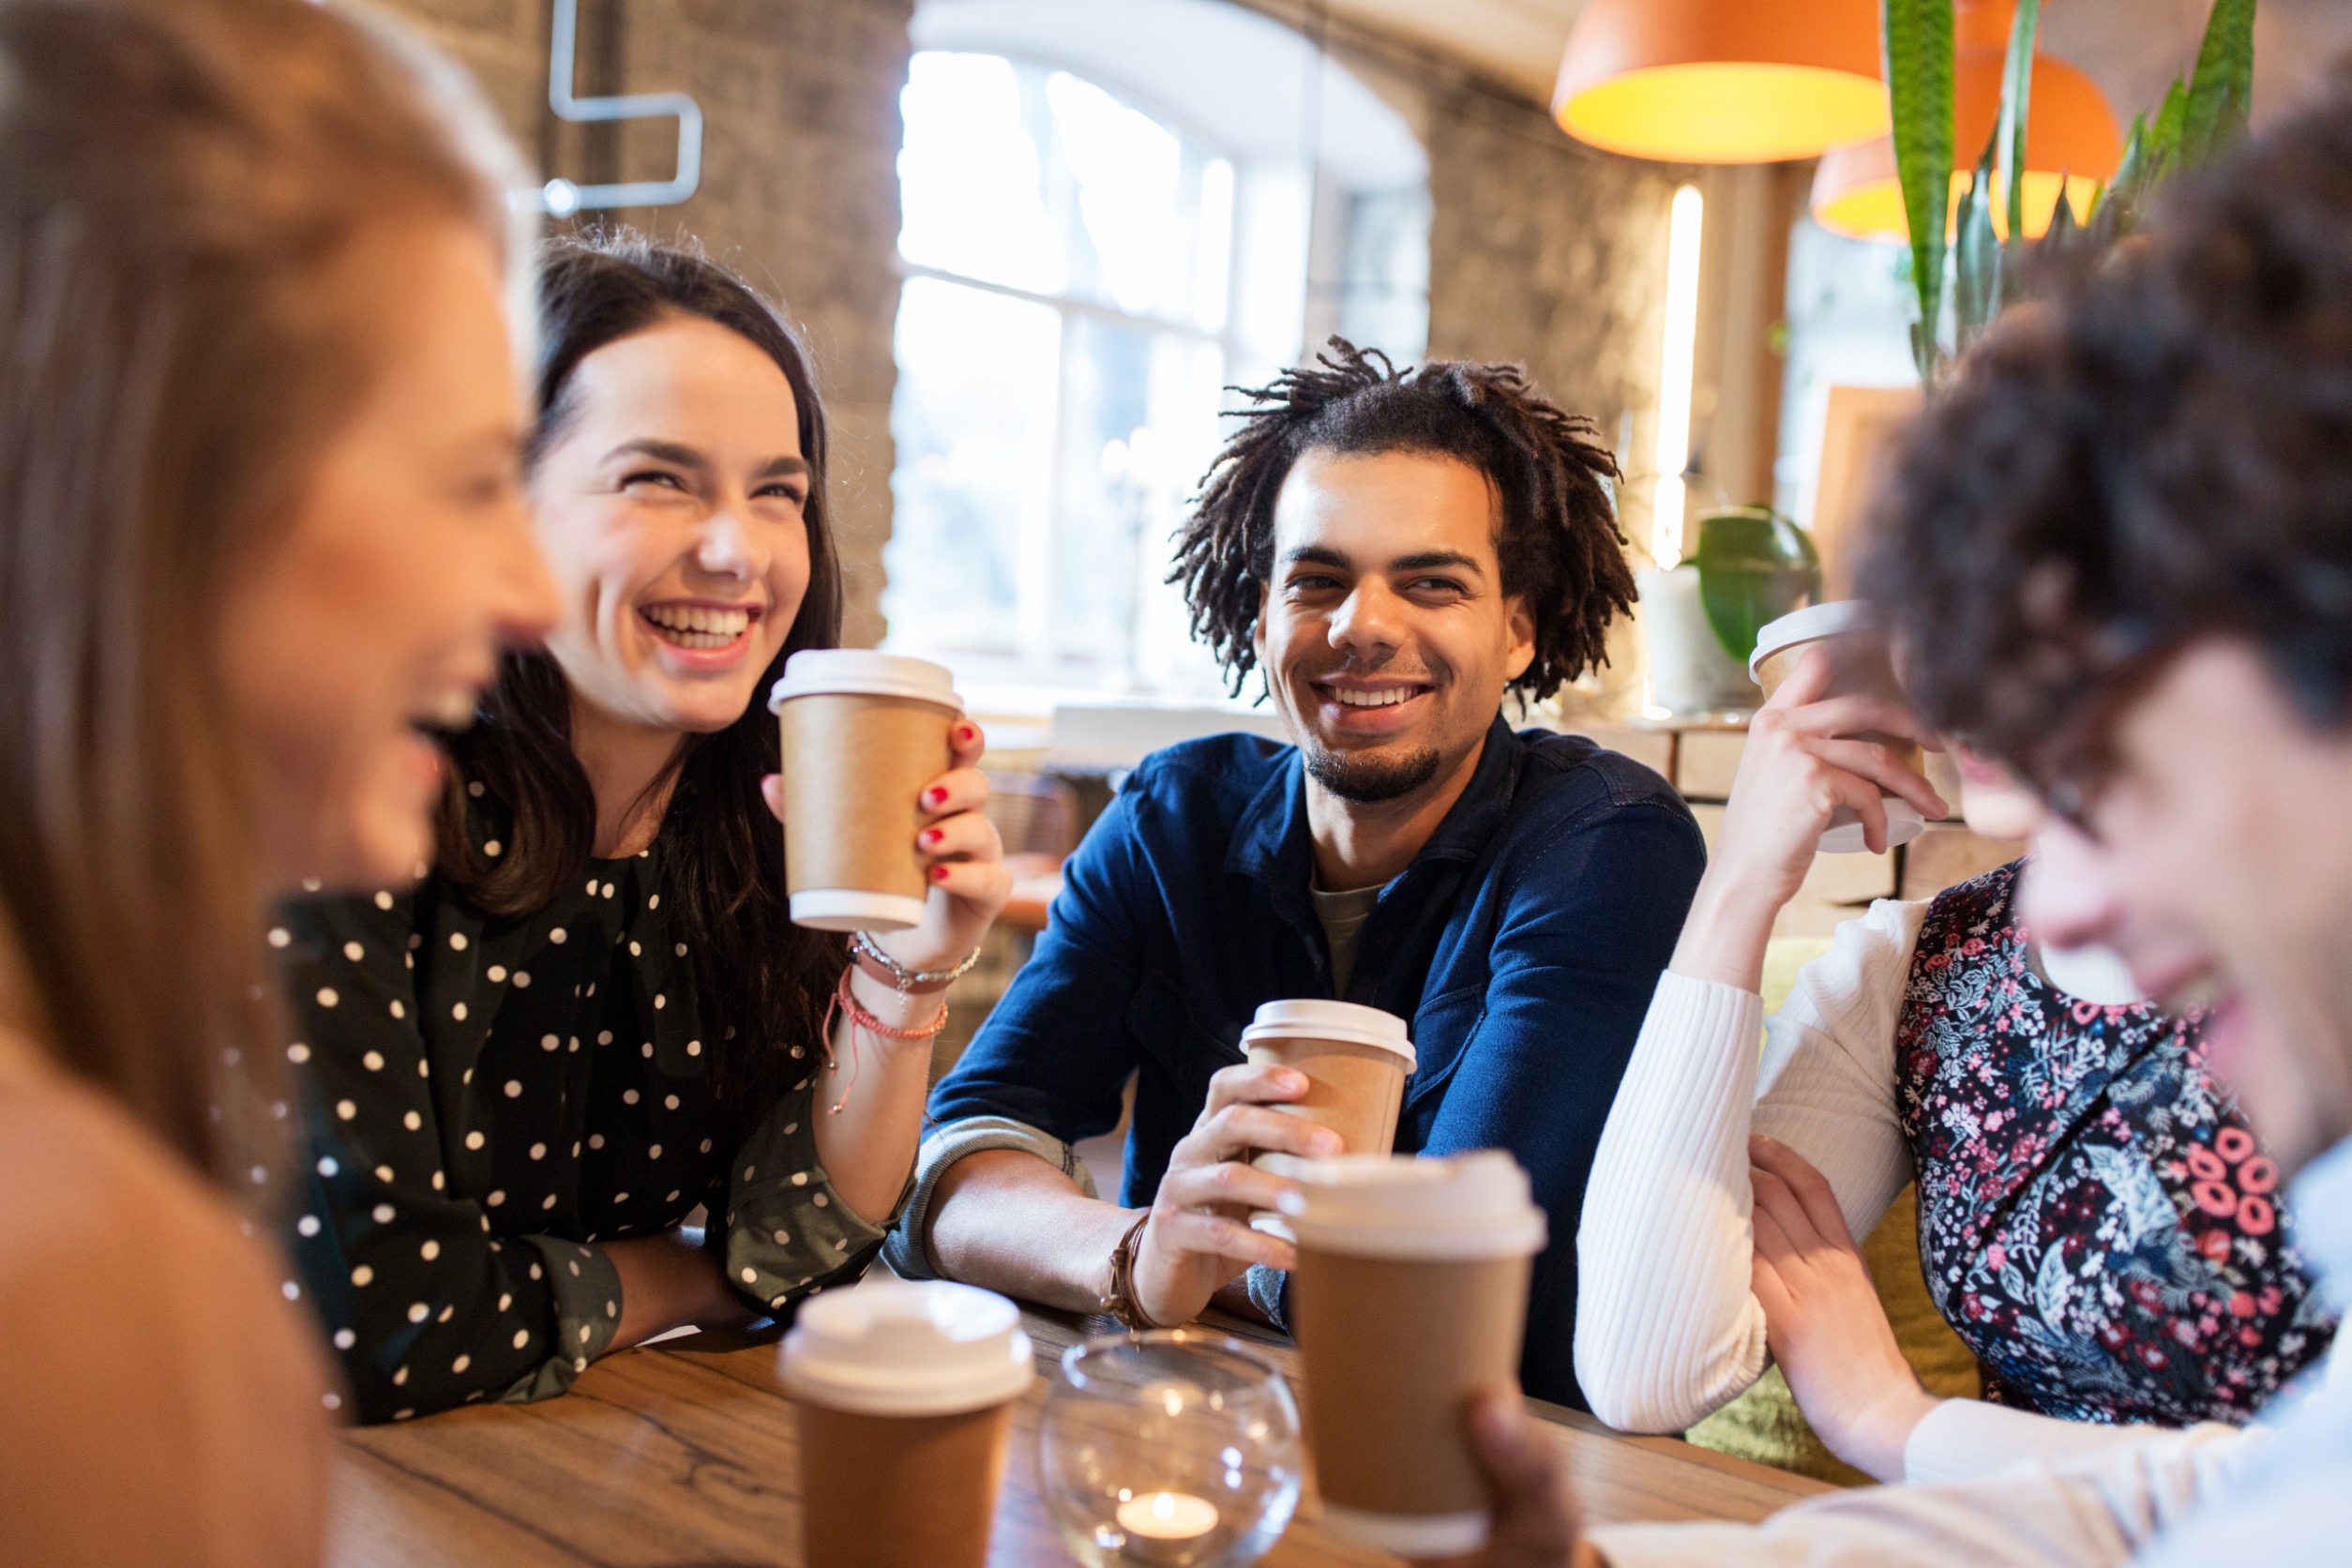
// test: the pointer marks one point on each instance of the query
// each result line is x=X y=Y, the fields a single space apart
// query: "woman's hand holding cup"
x=1200 y=1238
x=1802 y=763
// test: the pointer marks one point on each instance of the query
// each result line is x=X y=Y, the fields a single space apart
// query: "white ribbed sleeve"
x=1668 y=1331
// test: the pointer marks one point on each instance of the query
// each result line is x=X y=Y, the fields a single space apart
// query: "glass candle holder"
x=1176 y=1448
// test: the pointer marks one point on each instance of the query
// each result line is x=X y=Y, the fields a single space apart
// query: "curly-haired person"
x=1392 y=552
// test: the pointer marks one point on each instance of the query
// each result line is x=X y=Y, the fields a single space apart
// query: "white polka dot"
x=646 y=1050
x=775 y=1301
x=592 y=887
x=673 y=1198
x=635 y=951
x=363 y=1275
x=574 y=1044
x=327 y=1166
x=799 y=1178
x=346 y=1110
x=654 y=1152
x=596 y=1140
x=279 y=936
x=418 y=1312
x=297 y=1052
x=383 y=1173
x=694 y=1047
x=558 y=936
x=345 y=1340
x=492 y=848
x=579 y=1363
x=798 y=1053
x=549 y=1201
x=706 y=1146
x=401 y=1375
x=669 y=1101
x=628 y=1096
x=654 y=902
x=549 y=1042
x=437 y=1188
x=575 y=1148
x=466 y=1077
x=413 y=1121
x=430 y=1251
x=535 y=1271
x=522 y=1337
x=424 y=1068
x=352 y=951
x=612 y=1309
x=523 y=979
x=373 y=1062
x=585 y=1330
x=474 y=789
x=514 y=1088
x=604 y=1037
x=306 y=1225
x=538 y=1150
x=682 y=950
x=474 y=1140
x=457 y=941
x=460 y=1363
x=292 y=1291
x=384 y=900
x=820 y=1200
x=747 y=1171
x=383 y=1214
x=400 y=1009
x=620 y=1197
x=660 y=1002
x=328 y=997
x=446 y=1313
x=791 y=1127
x=607 y=890
x=495 y=1199
x=750 y=1274
x=457 y=1012
x=496 y=973
x=783 y=1238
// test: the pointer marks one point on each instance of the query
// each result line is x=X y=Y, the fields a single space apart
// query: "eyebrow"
x=1427 y=560
x=688 y=457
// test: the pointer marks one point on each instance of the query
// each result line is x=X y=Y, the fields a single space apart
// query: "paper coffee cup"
x=1862 y=664
x=905 y=1396
x=1356 y=1060
x=863 y=733
x=1410 y=1300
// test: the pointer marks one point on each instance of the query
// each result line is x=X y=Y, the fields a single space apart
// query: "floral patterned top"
x=2095 y=1220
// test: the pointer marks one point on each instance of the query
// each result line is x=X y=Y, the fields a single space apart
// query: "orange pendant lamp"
x=2071 y=139
x=1722 y=81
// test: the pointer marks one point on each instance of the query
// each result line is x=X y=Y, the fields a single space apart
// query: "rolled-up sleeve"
x=787 y=1232
x=905 y=1252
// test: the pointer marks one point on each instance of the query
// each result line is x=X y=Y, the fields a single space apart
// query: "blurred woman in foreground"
x=260 y=521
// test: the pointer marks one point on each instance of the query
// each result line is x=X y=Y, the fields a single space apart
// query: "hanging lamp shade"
x=2071 y=139
x=1722 y=81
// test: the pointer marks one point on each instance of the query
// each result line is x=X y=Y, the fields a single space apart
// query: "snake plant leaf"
x=1754 y=567
x=2017 y=111
x=1917 y=38
x=2163 y=136
x=2221 y=85
x=1976 y=265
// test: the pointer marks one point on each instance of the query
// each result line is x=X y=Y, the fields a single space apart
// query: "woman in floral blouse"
x=2096 y=1222
x=524 y=1074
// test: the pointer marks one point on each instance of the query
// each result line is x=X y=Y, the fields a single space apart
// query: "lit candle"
x=1167 y=1516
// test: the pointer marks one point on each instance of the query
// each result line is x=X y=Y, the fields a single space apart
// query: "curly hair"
x=1559 y=547
x=2160 y=452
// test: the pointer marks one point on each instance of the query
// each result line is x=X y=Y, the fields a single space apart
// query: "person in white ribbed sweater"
x=2096 y=1221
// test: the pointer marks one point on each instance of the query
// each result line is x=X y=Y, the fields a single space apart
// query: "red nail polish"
x=932 y=835
x=934 y=797
x=965 y=733
x=939 y=873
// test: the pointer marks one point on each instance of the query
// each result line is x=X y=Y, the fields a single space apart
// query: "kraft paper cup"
x=1410 y=1301
x=1356 y=1060
x=905 y=1393
x=863 y=733
x=1858 y=651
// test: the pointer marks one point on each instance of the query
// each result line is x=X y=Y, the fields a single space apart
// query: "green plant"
x=2197 y=119
x=1754 y=567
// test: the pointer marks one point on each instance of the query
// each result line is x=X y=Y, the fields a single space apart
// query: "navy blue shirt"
x=1523 y=943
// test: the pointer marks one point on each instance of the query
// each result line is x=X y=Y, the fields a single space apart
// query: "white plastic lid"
x=895 y=1347
x=1343 y=1021
x=1814 y=620
x=862 y=673
x=1471 y=1206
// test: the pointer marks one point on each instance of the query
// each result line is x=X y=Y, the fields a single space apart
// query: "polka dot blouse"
x=488 y=1100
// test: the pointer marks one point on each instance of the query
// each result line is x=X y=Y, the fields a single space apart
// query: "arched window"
x=1085 y=272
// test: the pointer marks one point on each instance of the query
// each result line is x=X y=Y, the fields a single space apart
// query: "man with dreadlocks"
x=1392 y=552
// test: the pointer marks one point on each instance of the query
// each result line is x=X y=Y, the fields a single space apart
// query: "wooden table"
x=682 y=1455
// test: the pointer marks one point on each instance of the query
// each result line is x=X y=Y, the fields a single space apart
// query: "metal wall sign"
x=563 y=197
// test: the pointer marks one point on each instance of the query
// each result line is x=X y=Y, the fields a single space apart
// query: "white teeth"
x=452 y=710
x=695 y=627
x=1388 y=697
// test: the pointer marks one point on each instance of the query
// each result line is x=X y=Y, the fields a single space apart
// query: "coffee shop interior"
x=1037 y=249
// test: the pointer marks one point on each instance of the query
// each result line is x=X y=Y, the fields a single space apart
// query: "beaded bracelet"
x=899 y=977
x=845 y=1002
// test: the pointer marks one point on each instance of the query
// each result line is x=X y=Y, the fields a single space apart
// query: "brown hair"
x=763 y=981
x=177 y=178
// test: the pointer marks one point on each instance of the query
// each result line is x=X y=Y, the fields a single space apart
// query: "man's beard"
x=1366 y=780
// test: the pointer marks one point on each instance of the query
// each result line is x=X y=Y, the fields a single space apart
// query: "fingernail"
x=934 y=797
x=939 y=873
x=932 y=835
x=966 y=732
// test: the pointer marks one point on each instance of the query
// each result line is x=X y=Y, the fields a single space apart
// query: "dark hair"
x=178 y=184
x=1560 y=547
x=763 y=981
x=2160 y=452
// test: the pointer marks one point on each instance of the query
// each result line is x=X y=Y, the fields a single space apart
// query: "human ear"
x=1519 y=628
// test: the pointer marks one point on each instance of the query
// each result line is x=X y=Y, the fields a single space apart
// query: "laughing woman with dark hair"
x=595 y=1017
